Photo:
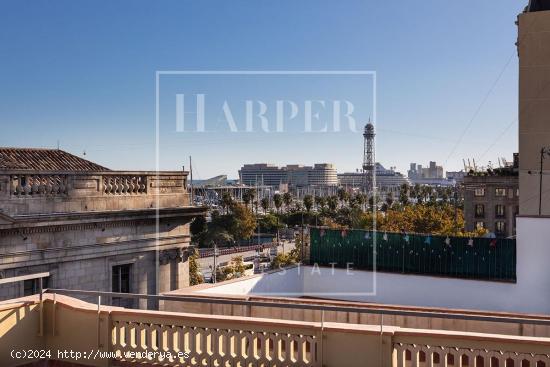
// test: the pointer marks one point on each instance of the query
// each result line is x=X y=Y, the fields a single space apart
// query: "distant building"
x=323 y=174
x=294 y=175
x=262 y=174
x=387 y=180
x=220 y=180
x=491 y=200
x=417 y=171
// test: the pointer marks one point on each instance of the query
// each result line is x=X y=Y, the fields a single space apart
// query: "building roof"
x=35 y=159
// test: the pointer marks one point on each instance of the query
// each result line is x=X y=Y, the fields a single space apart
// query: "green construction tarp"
x=460 y=257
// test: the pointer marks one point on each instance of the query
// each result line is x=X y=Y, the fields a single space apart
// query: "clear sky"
x=83 y=73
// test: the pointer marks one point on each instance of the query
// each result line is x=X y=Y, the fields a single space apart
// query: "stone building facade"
x=89 y=227
x=492 y=202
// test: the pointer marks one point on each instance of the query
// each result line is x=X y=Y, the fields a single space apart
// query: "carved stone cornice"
x=59 y=222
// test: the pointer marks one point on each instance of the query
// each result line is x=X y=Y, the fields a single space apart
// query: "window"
x=121 y=284
x=499 y=210
x=32 y=286
x=480 y=225
x=500 y=192
x=480 y=210
x=121 y=278
x=500 y=227
x=479 y=192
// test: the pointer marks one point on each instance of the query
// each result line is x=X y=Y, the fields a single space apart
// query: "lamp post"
x=216 y=253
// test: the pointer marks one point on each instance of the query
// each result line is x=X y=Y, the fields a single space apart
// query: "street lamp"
x=216 y=254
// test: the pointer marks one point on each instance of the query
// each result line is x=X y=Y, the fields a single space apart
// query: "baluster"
x=26 y=185
x=63 y=184
x=35 y=185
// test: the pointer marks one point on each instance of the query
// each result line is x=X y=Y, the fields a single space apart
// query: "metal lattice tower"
x=369 y=169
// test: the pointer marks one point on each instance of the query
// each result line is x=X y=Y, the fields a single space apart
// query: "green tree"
x=195 y=276
x=287 y=199
x=226 y=201
x=359 y=199
x=389 y=199
x=343 y=195
x=248 y=196
x=332 y=203
x=404 y=194
x=265 y=204
x=198 y=227
x=243 y=223
x=308 y=202
x=320 y=202
x=278 y=201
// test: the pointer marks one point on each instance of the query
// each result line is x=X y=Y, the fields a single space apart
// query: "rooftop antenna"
x=57 y=144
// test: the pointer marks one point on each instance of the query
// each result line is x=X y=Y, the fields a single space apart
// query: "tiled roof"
x=44 y=160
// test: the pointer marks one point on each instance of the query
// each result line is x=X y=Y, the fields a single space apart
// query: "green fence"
x=461 y=257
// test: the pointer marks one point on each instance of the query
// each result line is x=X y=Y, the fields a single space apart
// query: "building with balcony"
x=491 y=200
x=89 y=227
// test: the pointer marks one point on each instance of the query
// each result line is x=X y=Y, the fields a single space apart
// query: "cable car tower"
x=369 y=165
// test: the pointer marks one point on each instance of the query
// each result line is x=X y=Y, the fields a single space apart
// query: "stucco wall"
x=529 y=295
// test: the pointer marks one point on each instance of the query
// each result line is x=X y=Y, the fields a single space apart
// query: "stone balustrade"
x=207 y=344
x=23 y=193
x=124 y=184
x=416 y=355
x=38 y=185
x=118 y=336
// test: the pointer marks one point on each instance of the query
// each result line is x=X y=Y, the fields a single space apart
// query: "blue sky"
x=83 y=73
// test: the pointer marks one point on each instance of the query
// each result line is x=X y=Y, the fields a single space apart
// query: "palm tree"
x=248 y=196
x=389 y=199
x=332 y=203
x=226 y=201
x=278 y=201
x=287 y=199
x=265 y=204
x=308 y=202
x=404 y=194
x=343 y=195
x=359 y=199
x=320 y=202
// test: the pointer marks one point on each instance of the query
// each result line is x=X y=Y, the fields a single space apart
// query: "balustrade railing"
x=39 y=185
x=124 y=184
x=417 y=355
x=210 y=346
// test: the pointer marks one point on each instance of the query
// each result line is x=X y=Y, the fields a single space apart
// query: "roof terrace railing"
x=301 y=306
x=195 y=339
